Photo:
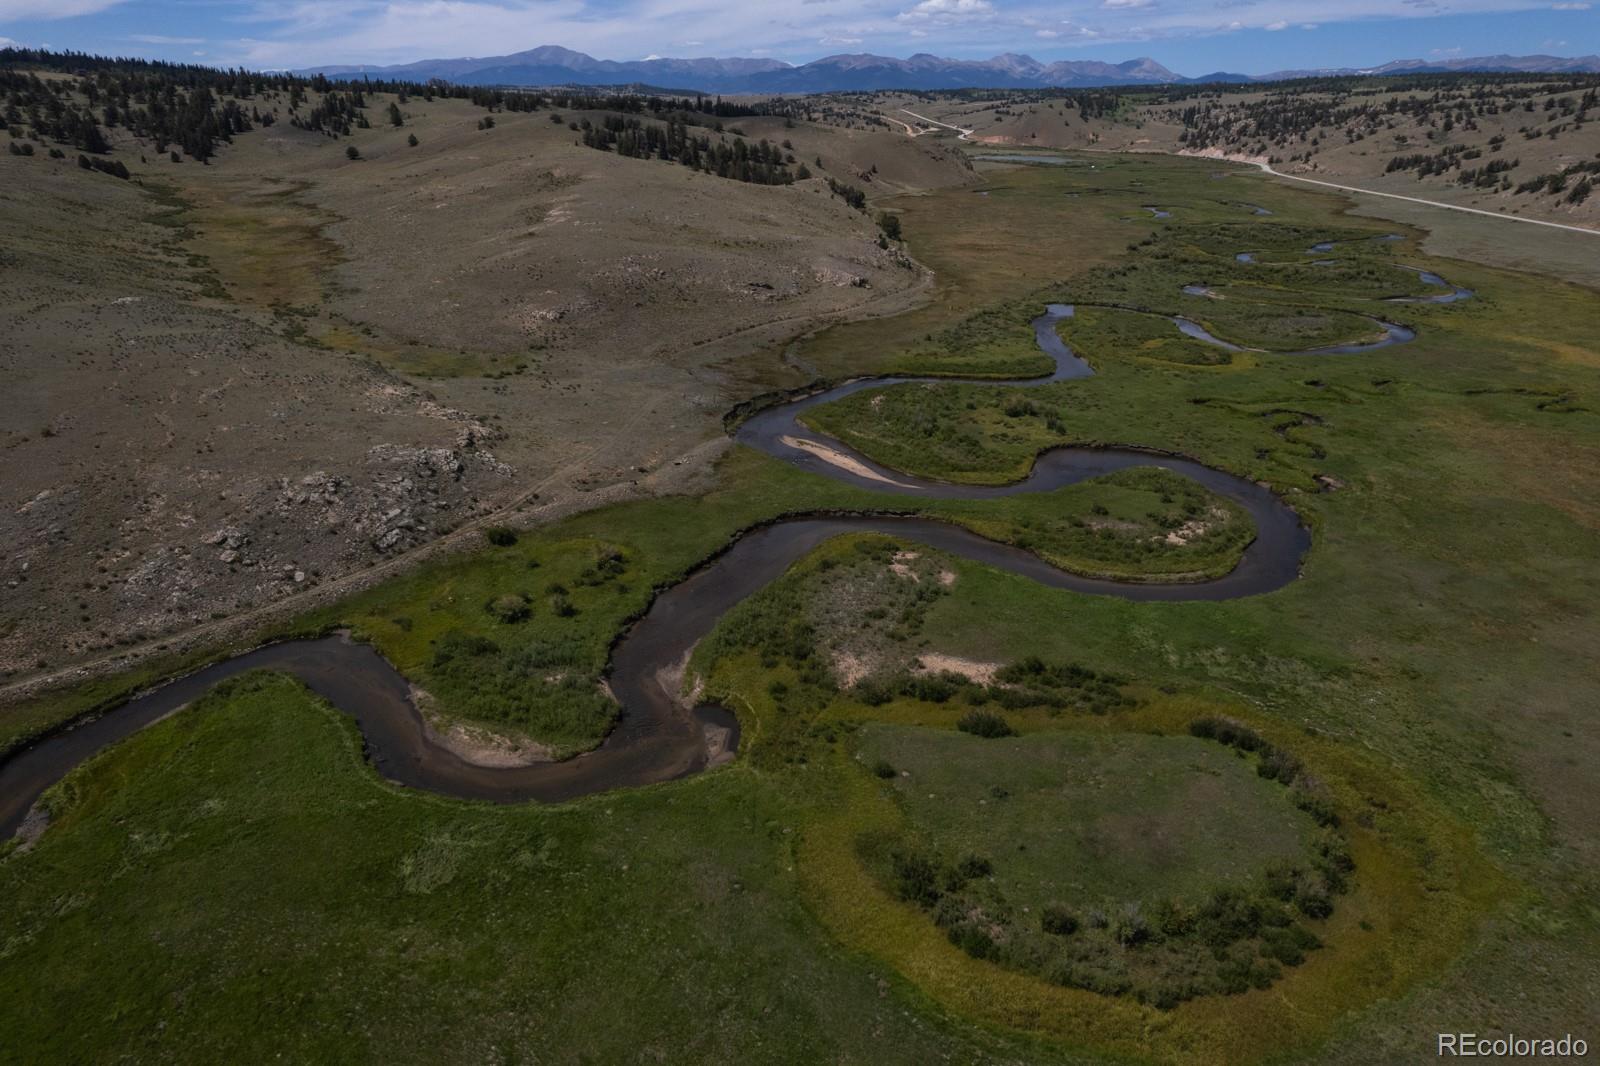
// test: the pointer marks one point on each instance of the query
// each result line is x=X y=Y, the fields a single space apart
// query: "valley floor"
x=972 y=818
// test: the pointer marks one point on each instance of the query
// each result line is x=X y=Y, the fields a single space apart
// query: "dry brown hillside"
x=1530 y=149
x=229 y=384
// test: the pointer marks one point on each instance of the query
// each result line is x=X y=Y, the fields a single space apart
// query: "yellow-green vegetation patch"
x=962 y=433
x=849 y=619
x=421 y=360
x=850 y=612
x=1418 y=887
x=1143 y=524
x=1275 y=240
x=1285 y=327
x=1104 y=333
x=986 y=344
x=984 y=250
x=265 y=244
x=1159 y=867
x=516 y=637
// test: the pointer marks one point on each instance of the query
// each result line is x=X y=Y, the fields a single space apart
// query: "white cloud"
x=1122 y=5
x=1569 y=7
x=156 y=38
x=955 y=7
x=945 y=11
x=1276 y=26
x=831 y=40
x=1047 y=34
x=16 y=10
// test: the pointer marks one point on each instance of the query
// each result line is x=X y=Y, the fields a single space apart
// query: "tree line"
x=761 y=163
x=192 y=108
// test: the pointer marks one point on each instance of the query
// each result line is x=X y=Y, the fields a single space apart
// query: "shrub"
x=510 y=608
x=1311 y=896
x=951 y=911
x=972 y=866
x=1289 y=944
x=1227 y=731
x=973 y=940
x=352 y=152
x=1170 y=918
x=884 y=769
x=501 y=536
x=1130 y=929
x=1241 y=974
x=985 y=724
x=1168 y=995
x=116 y=168
x=457 y=645
x=1309 y=795
x=1278 y=765
x=1228 y=917
x=1333 y=859
x=1058 y=920
x=1281 y=878
x=932 y=689
x=545 y=686
x=916 y=878
x=412 y=140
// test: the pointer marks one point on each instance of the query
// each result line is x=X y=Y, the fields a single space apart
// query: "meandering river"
x=659 y=736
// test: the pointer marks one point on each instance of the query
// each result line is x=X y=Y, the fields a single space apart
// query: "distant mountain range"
x=1501 y=64
x=552 y=65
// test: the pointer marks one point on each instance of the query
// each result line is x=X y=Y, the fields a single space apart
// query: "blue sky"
x=1189 y=36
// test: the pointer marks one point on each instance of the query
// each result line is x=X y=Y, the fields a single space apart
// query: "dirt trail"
x=1256 y=161
x=965 y=134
